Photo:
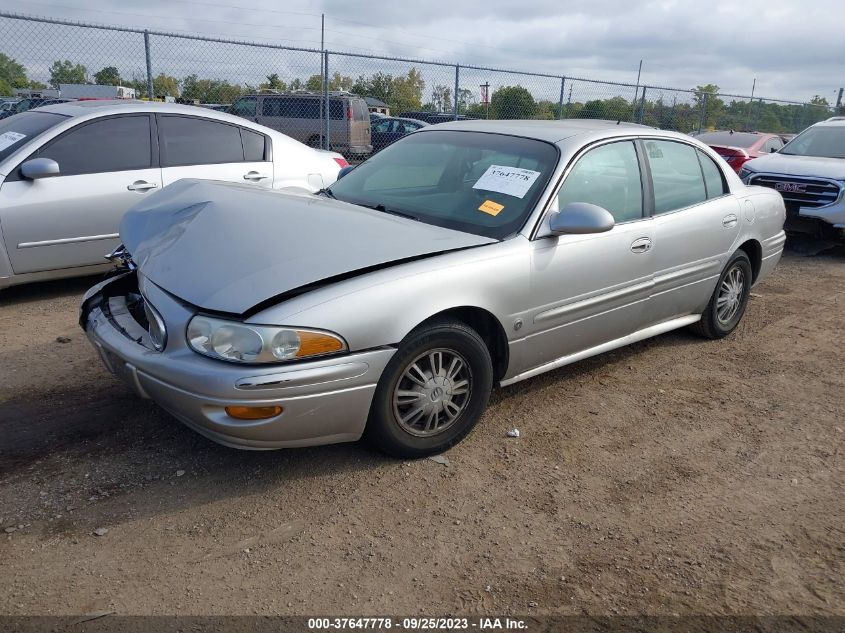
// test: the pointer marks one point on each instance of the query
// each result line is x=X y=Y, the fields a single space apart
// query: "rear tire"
x=432 y=392
x=729 y=300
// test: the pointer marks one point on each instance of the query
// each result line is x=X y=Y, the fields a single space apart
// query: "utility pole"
x=751 y=105
x=485 y=94
x=636 y=92
x=838 y=103
x=322 y=31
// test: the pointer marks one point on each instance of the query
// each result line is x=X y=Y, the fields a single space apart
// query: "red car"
x=737 y=148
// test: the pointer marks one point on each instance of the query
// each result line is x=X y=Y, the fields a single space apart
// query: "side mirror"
x=40 y=168
x=773 y=150
x=580 y=218
x=344 y=170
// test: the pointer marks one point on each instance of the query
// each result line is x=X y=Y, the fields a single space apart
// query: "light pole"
x=485 y=96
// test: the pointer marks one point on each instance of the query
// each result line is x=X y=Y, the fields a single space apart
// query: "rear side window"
x=291 y=107
x=254 y=149
x=16 y=131
x=608 y=176
x=713 y=180
x=190 y=141
x=114 y=144
x=245 y=107
x=337 y=109
x=676 y=175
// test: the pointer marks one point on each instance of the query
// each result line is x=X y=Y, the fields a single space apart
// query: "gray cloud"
x=794 y=50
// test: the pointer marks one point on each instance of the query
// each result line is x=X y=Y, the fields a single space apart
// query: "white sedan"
x=68 y=172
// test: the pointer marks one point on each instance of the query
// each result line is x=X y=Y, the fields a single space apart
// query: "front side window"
x=676 y=175
x=608 y=176
x=113 y=144
x=18 y=130
x=191 y=141
x=476 y=182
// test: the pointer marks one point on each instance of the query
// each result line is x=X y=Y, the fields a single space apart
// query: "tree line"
x=405 y=92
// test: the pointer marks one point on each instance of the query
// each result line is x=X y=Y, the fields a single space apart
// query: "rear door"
x=72 y=220
x=195 y=147
x=359 y=129
x=696 y=223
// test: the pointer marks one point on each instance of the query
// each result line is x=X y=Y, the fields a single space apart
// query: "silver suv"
x=809 y=172
x=300 y=115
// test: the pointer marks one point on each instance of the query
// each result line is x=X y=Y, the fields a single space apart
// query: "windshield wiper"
x=384 y=209
x=326 y=192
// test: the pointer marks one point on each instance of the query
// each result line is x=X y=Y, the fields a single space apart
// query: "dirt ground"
x=675 y=476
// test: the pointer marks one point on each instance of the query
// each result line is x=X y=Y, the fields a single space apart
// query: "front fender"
x=382 y=307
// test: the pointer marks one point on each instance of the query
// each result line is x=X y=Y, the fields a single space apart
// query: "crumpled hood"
x=810 y=166
x=228 y=247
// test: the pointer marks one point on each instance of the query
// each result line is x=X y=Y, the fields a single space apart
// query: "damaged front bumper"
x=323 y=401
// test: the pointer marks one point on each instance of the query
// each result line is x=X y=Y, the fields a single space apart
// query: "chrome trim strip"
x=69 y=240
x=303 y=377
x=593 y=301
x=639 y=335
x=688 y=271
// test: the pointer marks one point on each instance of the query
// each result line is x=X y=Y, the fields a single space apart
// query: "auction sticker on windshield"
x=10 y=138
x=513 y=181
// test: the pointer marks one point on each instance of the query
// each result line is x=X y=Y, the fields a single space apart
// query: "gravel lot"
x=674 y=476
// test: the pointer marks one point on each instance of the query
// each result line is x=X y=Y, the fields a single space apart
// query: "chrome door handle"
x=141 y=185
x=729 y=221
x=254 y=175
x=641 y=245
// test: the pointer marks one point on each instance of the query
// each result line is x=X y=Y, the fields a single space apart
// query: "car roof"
x=104 y=107
x=545 y=130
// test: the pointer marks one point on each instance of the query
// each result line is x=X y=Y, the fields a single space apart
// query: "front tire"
x=729 y=300
x=432 y=392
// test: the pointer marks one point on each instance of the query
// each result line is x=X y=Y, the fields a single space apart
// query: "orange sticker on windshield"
x=493 y=208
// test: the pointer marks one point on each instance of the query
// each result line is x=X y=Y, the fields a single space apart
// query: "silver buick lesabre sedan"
x=466 y=255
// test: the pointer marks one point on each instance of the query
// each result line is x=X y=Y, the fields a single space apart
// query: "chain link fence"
x=39 y=53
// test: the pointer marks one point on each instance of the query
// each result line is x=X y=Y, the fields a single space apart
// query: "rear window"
x=735 y=139
x=359 y=110
x=19 y=129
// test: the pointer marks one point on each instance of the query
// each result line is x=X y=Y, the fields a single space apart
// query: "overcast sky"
x=794 y=48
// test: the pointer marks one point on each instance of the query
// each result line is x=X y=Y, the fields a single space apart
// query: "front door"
x=591 y=289
x=72 y=220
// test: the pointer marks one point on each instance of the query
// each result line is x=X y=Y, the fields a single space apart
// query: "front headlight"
x=744 y=174
x=245 y=343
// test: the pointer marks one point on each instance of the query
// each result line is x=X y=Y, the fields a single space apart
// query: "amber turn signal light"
x=253 y=413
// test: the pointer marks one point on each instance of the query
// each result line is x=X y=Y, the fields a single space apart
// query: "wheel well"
x=754 y=251
x=489 y=329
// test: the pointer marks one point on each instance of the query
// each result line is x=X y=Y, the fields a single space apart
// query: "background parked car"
x=431 y=117
x=28 y=104
x=298 y=114
x=387 y=130
x=809 y=172
x=739 y=147
x=68 y=172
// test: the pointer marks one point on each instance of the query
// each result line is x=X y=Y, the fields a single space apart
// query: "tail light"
x=736 y=157
x=341 y=161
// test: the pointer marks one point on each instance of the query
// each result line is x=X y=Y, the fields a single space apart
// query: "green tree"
x=441 y=98
x=715 y=106
x=209 y=90
x=165 y=86
x=512 y=102
x=12 y=75
x=66 y=72
x=108 y=76
x=273 y=83
x=297 y=84
x=314 y=83
x=402 y=92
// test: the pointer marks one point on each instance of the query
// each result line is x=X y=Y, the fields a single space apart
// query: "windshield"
x=22 y=128
x=475 y=182
x=824 y=141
